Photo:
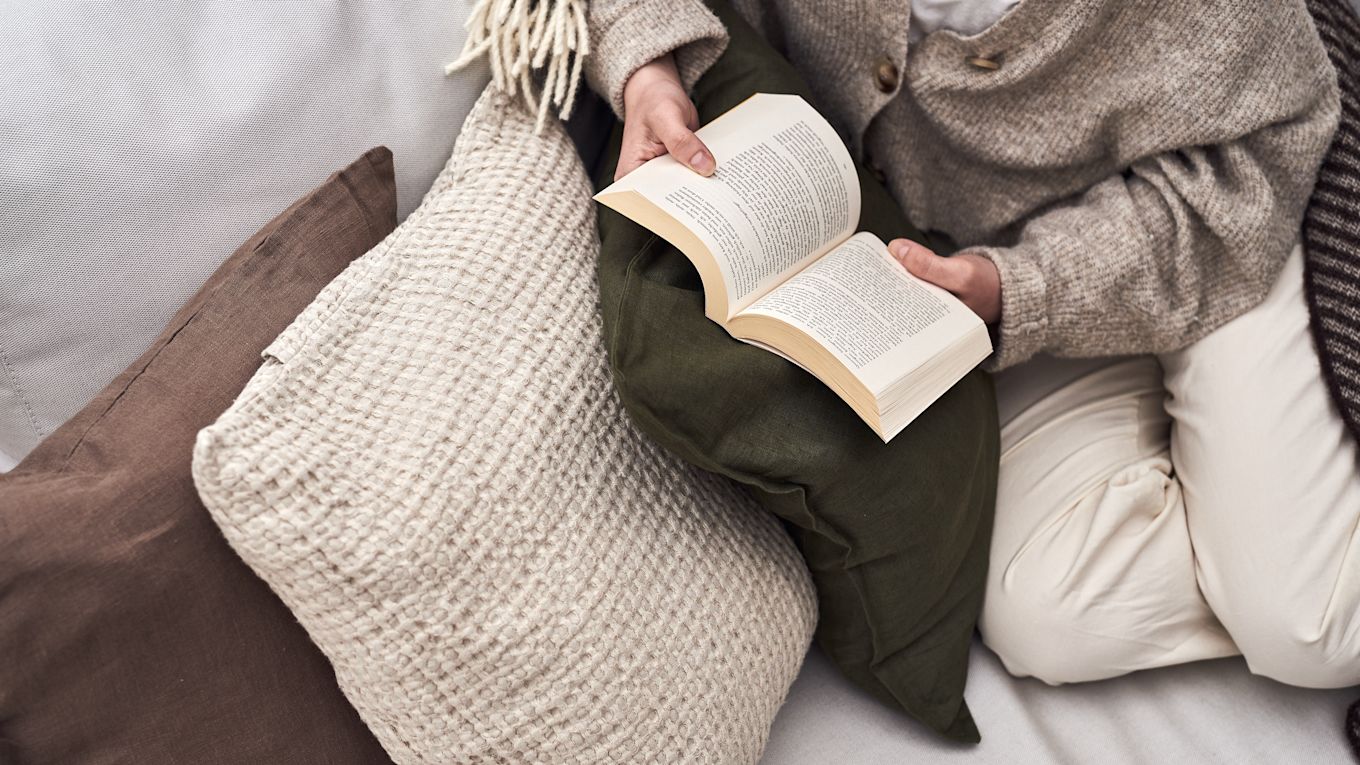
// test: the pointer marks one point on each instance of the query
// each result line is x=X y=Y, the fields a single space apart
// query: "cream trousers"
x=1193 y=505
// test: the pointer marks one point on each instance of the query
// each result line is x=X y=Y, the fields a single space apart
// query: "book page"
x=876 y=318
x=785 y=192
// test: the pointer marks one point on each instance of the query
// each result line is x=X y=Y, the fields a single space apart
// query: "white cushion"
x=143 y=141
x=433 y=471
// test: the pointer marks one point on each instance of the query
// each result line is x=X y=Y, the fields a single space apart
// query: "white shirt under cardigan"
x=966 y=17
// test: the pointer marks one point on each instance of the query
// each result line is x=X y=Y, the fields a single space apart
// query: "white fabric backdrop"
x=1209 y=712
x=143 y=141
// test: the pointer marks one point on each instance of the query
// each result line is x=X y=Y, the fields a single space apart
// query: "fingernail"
x=899 y=249
x=700 y=161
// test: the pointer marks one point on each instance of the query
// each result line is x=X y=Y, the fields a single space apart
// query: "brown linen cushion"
x=129 y=631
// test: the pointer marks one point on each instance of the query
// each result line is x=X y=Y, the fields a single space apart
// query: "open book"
x=772 y=235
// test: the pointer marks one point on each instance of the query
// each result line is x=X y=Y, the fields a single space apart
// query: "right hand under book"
x=971 y=278
x=659 y=118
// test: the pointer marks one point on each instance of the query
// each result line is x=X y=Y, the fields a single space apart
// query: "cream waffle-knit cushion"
x=434 y=473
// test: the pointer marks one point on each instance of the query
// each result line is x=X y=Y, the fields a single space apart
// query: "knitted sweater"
x=1136 y=171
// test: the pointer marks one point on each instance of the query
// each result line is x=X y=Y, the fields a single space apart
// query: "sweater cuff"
x=1023 y=330
x=646 y=31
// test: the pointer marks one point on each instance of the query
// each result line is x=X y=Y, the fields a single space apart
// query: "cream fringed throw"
x=434 y=473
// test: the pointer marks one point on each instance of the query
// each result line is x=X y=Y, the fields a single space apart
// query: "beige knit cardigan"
x=1137 y=171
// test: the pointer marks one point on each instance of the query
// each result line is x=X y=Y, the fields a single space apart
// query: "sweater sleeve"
x=625 y=34
x=1135 y=263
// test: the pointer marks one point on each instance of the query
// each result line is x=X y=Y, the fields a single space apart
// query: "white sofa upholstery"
x=143 y=141
x=1212 y=711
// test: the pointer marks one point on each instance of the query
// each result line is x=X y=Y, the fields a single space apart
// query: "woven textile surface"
x=434 y=473
x=1331 y=225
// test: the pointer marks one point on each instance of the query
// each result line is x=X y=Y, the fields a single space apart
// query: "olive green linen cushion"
x=895 y=534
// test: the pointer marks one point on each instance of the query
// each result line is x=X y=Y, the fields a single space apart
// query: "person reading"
x=1125 y=184
x=773 y=236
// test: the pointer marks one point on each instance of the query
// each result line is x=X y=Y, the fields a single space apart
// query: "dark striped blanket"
x=1331 y=225
x=1331 y=240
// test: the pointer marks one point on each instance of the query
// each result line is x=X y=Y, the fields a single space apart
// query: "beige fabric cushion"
x=433 y=471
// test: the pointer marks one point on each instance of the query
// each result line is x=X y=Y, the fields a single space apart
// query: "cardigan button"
x=983 y=62
x=886 y=76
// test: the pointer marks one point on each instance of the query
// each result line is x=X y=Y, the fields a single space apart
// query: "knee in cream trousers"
x=1159 y=510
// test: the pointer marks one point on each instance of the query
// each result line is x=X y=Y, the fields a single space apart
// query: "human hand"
x=972 y=278
x=658 y=118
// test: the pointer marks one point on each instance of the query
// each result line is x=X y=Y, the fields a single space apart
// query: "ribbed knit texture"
x=433 y=471
x=1331 y=226
x=637 y=31
x=1136 y=170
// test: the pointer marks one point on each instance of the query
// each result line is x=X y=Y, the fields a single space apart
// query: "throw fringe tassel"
x=521 y=37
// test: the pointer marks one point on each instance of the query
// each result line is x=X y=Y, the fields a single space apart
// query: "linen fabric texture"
x=1137 y=171
x=895 y=534
x=1192 y=713
x=434 y=473
x=130 y=631
x=144 y=141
